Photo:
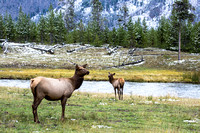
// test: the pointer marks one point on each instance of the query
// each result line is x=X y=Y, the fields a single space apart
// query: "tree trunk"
x=179 y=45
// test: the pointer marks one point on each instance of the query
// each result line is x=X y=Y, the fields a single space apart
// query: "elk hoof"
x=62 y=119
x=37 y=122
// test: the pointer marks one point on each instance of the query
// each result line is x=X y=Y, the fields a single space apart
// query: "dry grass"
x=141 y=75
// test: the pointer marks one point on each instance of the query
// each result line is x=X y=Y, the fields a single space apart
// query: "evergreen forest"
x=52 y=29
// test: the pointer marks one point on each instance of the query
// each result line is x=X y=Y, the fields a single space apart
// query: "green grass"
x=86 y=111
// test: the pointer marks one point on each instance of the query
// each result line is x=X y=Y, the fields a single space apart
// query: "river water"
x=131 y=88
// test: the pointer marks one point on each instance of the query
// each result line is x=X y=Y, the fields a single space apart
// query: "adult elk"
x=56 y=89
x=117 y=84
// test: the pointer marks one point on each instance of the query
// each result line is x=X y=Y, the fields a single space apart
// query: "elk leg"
x=36 y=102
x=63 y=103
x=122 y=93
x=115 y=92
x=118 y=91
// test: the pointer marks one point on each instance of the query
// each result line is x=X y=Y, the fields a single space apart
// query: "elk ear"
x=113 y=73
x=108 y=72
x=77 y=67
x=84 y=66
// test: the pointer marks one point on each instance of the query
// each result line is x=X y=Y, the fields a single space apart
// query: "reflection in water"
x=130 y=88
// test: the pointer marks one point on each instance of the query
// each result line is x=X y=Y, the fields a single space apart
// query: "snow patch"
x=192 y=121
x=102 y=103
x=100 y=126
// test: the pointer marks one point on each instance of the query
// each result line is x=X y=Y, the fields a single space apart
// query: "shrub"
x=196 y=77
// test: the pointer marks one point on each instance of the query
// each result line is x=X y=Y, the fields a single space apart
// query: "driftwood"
x=130 y=63
x=50 y=50
x=128 y=60
x=131 y=51
x=78 y=49
x=111 y=50
x=5 y=45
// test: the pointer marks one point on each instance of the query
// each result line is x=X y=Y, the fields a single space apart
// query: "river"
x=183 y=90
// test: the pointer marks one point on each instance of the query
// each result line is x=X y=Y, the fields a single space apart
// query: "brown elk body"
x=56 y=89
x=118 y=85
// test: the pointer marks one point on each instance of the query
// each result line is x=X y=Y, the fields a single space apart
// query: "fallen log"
x=130 y=63
x=131 y=51
x=50 y=50
x=112 y=50
x=78 y=49
x=44 y=50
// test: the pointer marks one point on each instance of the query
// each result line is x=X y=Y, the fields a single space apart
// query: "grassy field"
x=136 y=74
x=87 y=112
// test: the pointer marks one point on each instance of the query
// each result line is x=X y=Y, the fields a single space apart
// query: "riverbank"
x=92 y=112
x=134 y=75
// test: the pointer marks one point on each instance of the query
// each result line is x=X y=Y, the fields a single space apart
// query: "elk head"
x=81 y=70
x=110 y=75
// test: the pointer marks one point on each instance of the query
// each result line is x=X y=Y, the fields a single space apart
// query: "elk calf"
x=117 y=84
x=56 y=89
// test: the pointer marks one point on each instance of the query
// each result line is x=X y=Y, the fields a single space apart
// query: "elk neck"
x=111 y=80
x=77 y=81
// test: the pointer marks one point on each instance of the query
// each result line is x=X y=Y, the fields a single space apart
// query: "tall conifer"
x=180 y=13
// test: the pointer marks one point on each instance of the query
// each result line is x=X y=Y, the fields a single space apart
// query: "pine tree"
x=138 y=33
x=88 y=36
x=180 y=13
x=51 y=25
x=81 y=32
x=186 y=37
x=105 y=35
x=42 y=30
x=69 y=37
x=164 y=33
x=144 y=30
x=69 y=14
x=96 y=17
x=196 y=37
x=131 y=35
x=123 y=15
x=9 y=30
x=22 y=26
x=27 y=27
x=60 y=29
x=33 y=32
x=122 y=37
x=75 y=36
x=97 y=42
x=152 y=39
x=2 y=27
x=113 y=37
